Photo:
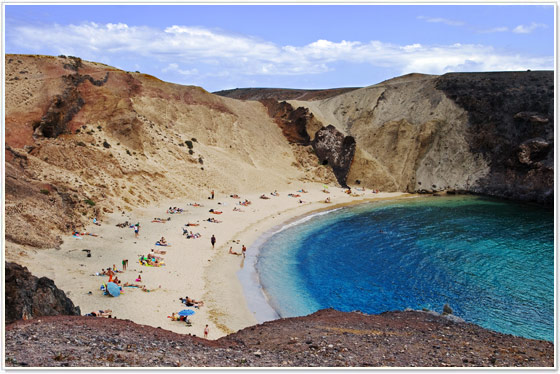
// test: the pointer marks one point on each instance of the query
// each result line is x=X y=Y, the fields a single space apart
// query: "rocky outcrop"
x=293 y=122
x=327 y=338
x=335 y=149
x=28 y=297
x=511 y=125
x=487 y=133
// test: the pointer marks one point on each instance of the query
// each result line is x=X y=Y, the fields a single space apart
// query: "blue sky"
x=296 y=46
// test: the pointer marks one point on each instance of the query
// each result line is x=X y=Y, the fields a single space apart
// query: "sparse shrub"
x=45 y=192
x=105 y=144
x=189 y=144
x=99 y=127
x=200 y=160
x=81 y=144
x=77 y=131
x=62 y=56
x=194 y=140
x=191 y=152
x=118 y=143
x=89 y=202
x=128 y=152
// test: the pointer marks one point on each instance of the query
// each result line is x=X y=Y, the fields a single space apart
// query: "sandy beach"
x=192 y=268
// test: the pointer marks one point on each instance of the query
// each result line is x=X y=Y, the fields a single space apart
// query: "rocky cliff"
x=28 y=297
x=488 y=133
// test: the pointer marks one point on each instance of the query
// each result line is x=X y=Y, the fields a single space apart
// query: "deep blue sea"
x=492 y=261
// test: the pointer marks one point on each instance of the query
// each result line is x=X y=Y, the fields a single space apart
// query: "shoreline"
x=192 y=267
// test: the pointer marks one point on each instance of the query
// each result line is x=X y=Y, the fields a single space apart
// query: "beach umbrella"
x=186 y=312
x=113 y=289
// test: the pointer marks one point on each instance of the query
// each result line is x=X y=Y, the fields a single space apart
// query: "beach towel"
x=163 y=245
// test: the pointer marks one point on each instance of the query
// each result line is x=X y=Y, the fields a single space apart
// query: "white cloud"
x=196 y=51
x=446 y=21
x=173 y=67
x=493 y=30
x=527 y=29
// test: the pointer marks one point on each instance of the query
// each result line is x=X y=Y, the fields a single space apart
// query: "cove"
x=492 y=261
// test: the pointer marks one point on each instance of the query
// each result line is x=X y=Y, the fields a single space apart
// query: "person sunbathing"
x=215 y=211
x=328 y=200
x=192 y=224
x=232 y=252
x=294 y=195
x=159 y=252
x=132 y=285
x=275 y=193
x=213 y=220
x=235 y=209
x=235 y=196
x=100 y=313
x=302 y=190
x=263 y=196
x=196 y=204
x=191 y=302
x=326 y=191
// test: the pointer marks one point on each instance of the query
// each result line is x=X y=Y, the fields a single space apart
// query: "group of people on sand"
x=243 y=251
x=190 y=235
x=151 y=260
x=174 y=210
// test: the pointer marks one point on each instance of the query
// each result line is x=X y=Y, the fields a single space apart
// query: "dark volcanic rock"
x=29 y=297
x=293 y=122
x=336 y=150
x=511 y=119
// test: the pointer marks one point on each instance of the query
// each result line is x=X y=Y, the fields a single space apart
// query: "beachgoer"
x=124 y=264
x=212 y=194
x=243 y=250
x=206 y=331
x=213 y=241
x=139 y=279
x=136 y=229
x=232 y=252
x=101 y=313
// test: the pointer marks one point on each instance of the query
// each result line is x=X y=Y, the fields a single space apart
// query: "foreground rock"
x=326 y=338
x=30 y=297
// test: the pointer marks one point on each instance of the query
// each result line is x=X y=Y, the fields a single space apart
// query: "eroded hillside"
x=84 y=138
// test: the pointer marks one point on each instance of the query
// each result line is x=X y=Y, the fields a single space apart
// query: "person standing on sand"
x=124 y=265
x=213 y=241
x=212 y=193
x=243 y=250
x=136 y=229
x=206 y=331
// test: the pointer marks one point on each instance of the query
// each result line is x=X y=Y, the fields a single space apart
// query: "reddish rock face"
x=293 y=122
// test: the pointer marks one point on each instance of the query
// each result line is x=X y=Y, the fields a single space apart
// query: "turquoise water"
x=492 y=261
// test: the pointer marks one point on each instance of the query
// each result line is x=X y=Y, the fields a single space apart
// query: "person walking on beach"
x=136 y=229
x=243 y=250
x=124 y=264
x=213 y=241
x=206 y=330
x=212 y=194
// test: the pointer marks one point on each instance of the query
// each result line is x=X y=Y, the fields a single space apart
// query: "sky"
x=291 y=46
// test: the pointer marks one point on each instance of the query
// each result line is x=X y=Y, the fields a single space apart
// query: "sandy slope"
x=192 y=267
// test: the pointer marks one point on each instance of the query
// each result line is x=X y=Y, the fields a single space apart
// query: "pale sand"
x=192 y=267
